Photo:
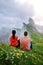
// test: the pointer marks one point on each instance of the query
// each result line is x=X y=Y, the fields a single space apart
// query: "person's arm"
x=30 y=39
x=10 y=41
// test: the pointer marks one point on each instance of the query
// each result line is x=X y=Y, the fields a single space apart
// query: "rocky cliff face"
x=32 y=27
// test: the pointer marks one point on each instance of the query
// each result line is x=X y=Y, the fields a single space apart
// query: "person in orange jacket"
x=14 y=39
x=25 y=42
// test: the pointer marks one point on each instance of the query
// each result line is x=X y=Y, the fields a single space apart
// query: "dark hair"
x=25 y=33
x=13 y=33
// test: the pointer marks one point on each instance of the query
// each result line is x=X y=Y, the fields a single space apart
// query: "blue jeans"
x=31 y=45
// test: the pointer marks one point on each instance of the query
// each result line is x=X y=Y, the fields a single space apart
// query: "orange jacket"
x=14 y=42
x=25 y=43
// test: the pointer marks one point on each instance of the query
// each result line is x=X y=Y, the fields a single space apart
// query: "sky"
x=14 y=12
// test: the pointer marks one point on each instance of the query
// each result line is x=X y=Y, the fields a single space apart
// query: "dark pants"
x=18 y=44
x=31 y=45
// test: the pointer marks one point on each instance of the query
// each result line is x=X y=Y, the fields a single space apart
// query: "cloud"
x=14 y=13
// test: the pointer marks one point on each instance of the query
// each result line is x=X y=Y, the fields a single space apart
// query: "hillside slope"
x=15 y=56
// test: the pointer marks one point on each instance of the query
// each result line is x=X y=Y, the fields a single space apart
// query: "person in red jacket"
x=14 y=39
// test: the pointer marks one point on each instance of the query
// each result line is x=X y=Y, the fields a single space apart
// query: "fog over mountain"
x=5 y=31
x=40 y=28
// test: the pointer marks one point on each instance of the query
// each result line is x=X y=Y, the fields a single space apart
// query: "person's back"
x=25 y=42
x=14 y=39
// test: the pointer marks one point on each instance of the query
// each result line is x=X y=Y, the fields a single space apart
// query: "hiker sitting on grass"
x=25 y=42
x=14 y=39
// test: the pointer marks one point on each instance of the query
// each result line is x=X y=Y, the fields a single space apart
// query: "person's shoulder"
x=16 y=36
x=29 y=38
x=10 y=37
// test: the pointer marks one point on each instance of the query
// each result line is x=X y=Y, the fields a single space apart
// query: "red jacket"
x=14 y=41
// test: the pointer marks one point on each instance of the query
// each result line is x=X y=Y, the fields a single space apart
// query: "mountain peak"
x=31 y=21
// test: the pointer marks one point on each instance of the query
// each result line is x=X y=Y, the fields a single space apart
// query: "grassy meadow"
x=15 y=56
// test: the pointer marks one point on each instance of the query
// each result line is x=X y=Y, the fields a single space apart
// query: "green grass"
x=15 y=56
